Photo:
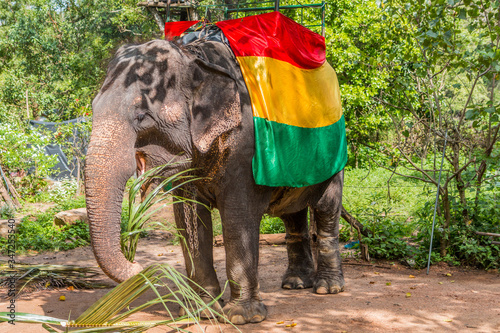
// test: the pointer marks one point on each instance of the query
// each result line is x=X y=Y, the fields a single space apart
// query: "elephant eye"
x=141 y=116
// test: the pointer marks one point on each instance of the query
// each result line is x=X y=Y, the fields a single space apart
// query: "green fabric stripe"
x=296 y=156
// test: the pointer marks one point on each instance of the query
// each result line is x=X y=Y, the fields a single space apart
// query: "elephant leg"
x=329 y=277
x=241 y=242
x=300 y=262
x=194 y=222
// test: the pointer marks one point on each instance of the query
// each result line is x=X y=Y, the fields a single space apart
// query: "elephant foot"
x=239 y=313
x=331 y=285
x=297 y=280
x=214 y=311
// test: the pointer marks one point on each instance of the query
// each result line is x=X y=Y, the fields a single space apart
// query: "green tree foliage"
x=53 y=57
x=448 y=63
x=53 y=53
x=21 y=149
x=356 y=49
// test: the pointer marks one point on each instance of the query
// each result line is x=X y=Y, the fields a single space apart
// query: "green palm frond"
x=109 y=314
x=29 y=278
x=139 y=213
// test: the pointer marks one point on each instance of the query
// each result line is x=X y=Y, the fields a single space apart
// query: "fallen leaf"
x=408 y=295
x=440 y=282
x=448 y=274
x=452 y=281
x=62 y=298
x=376 y=273
x=160 y=254
x=47 y=284
x=387 y=283
x=71 y=288
x=412 y=277
x=291 y=325
x=280 y=322
x=372 y=282
x=448 y=320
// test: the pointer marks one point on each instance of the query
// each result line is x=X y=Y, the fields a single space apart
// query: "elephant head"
x=160 y=102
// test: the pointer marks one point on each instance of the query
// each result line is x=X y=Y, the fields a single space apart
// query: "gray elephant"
x=188 y=102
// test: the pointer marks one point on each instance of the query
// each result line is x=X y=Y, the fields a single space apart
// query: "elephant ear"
x=216 y=105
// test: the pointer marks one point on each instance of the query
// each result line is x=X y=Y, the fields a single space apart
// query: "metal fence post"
x=435 y=205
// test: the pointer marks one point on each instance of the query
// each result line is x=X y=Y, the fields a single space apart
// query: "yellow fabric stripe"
x=291 y=95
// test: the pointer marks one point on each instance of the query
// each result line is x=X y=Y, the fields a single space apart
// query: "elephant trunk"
x=110 y=163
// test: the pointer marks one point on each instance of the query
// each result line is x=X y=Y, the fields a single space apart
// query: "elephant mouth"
x=140 y=160
x=147 y=159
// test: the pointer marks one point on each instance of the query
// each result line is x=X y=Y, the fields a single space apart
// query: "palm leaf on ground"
x=107 y=314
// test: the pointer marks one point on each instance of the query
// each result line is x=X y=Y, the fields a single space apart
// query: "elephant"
x=165 y=101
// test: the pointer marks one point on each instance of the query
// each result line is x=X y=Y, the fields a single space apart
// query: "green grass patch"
x=271 y=225
x=38 y=233
x=389 y=209
x=400 y=216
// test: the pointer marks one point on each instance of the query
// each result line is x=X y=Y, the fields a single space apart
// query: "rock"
x=70 y=217
x=4 y=228
x=273 y=239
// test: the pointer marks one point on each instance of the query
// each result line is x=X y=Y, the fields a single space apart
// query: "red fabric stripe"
x=276 y=36
x=173 y=29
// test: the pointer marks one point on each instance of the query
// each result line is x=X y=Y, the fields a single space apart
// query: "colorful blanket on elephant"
x=299 y=126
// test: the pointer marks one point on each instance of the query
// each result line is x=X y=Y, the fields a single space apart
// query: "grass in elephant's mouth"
x=137 y=213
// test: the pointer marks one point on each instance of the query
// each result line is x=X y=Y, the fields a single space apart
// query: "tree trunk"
x=463 y=199
x=355 y=223
x=159 y=20
x=8 y=192
x=445 y=242
x=10 y=199
x=362 y=230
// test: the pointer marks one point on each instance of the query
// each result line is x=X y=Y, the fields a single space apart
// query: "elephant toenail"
x=257 y=319
x=321 y=290
x=287 y=286
x=238 y=320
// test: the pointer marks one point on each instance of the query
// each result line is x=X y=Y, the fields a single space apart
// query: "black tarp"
x=64 y=168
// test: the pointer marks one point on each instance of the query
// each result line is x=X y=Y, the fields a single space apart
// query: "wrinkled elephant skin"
x=162 y=102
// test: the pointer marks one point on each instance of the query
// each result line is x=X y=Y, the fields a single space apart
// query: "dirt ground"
x=448 y=299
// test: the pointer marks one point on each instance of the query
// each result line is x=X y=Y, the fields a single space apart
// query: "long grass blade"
x=30 y=318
